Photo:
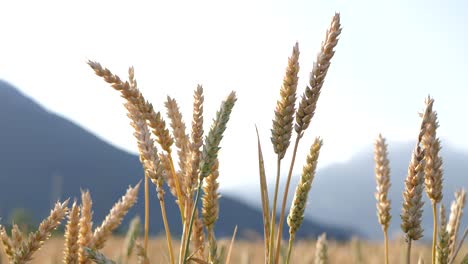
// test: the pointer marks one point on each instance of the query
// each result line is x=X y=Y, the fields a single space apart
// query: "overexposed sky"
x=390 y=56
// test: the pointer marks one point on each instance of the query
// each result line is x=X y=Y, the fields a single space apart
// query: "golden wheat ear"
x=114 y=218
x=36 y=239
x=85 y=226
x=382 y=178
x=308 y=104
x=71 y=247
x=7 y=243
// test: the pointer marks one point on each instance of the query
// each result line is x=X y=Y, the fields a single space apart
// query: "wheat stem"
x=168 y=232
x=434 y=232
x=408 y=251
x=146 y=212
x=386 y=245
x=291 y=239
x=197 y=198
x=285 y=198
x=273 y=212
x=178 y=188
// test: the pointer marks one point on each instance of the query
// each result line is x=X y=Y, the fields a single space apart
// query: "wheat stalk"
x=412 y=196
x=209 y=156
x=210 y=206
x=433 y=167
x=296 y=212
x=443 y=245
x=85 y=232
x=382 y=177
x=307 y=109
x=71 y=236
x=282 y=127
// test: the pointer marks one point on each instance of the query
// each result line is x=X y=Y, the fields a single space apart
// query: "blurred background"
x=63 y=128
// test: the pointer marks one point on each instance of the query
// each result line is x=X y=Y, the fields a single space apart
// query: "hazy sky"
x=391 y=55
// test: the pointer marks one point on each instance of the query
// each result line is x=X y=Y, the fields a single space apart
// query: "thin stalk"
x=289 y=249
x=168 y=232
x=434 y=234
x=178 y=189
x=273 y=212
x=408 y=252
x=386 y=245
x=182 y=245
x=146 y=213
x=189 y=234
x=285 y=197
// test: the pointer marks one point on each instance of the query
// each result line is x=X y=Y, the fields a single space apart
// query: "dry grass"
x=245 y=252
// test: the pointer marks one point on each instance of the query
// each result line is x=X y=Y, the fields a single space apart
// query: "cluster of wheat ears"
x=195 y=178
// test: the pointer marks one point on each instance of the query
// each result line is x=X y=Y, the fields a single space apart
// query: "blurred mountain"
x=342 y=194
x=44 y=157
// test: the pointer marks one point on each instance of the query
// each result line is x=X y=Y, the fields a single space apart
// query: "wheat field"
x=245 y=252
x=185 y=159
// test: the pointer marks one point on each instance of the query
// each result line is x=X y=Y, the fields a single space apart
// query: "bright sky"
x=390 y=56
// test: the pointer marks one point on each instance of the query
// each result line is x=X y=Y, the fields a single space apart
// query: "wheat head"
x=71 y=236
x=286 y=105
x=382 y=177
x=308 y=103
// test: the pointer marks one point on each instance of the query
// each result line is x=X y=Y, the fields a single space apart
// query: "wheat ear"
x=7 y=243
x=85 y=232
x=35 y=240
x=132 y=94
x=197 y=133
x=210 y=155
x=282 y=128
x=114 y=218
x=210 y=207
x=296 y=212
x=181 y=140
x=316 y=80
x=71 y=236
x=321 y=250
x=456 y=213
x=443 y=245
x=382 y=177
x=309 y=99
x=414 y=184
x=433 y=167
